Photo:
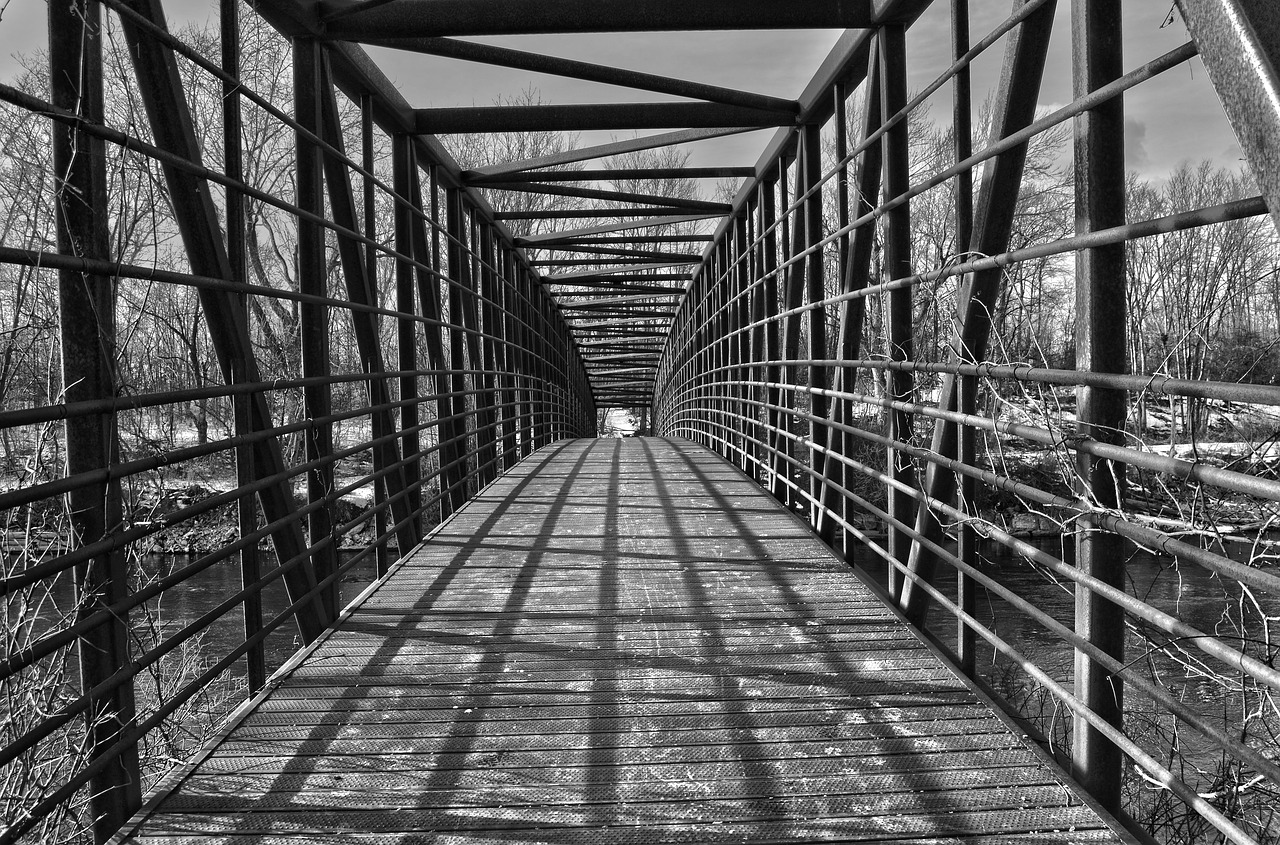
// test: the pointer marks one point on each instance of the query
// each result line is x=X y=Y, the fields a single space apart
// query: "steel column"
x=818 y=377
x=967 y=540
x=86 y=321
x=246 y=508
x=897 y=264
x=404 y=166
x=453 y=477
x=313 y=279
x=772 y=334
x=1101 y=346
x=382 y=557
x=490 y=334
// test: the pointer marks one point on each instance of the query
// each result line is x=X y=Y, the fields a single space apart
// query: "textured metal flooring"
x=621 y=641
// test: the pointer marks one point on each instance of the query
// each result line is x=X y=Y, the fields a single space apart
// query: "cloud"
x=1135 y=145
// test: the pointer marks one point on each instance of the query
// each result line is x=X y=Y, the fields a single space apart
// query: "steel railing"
x=889 y=447
x=402 y=288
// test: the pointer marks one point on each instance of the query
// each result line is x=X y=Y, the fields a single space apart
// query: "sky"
x=1171 y=119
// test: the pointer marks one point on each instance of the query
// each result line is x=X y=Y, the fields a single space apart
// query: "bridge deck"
x=622 y=642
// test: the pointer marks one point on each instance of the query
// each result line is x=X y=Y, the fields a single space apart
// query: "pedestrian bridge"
x=620 y=640
x=315 y=530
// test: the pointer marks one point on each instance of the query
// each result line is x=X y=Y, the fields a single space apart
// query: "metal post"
x=1100 y=347
x=453 y=477
x=504 y=323
x=758 y=351
x=897 y=264
x=772 y=334
x=742 y=342
x=491 y=338
x=246 y=508
x=967 y=539
x=792 y=298
x=815 y=292
x=86 y=309
x=478 y=353
x=403 y=165
x=314 y=322
x=834 y=477
x=523 y=368
x=382 y=555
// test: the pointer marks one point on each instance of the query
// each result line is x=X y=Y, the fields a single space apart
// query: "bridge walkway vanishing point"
x=620 y=641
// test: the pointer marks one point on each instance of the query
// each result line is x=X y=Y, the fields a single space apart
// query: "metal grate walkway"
x=621 y=641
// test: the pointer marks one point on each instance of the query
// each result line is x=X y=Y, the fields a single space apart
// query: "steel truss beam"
x=1239 y=41
x=161 y=89
x=993 y=223
x=361 y=284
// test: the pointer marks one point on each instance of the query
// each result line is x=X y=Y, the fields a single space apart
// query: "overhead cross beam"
x=606 y=195
x=616 y=174
x=569 y=234
x=631 y=145
x=436 y=18
x=595 y=116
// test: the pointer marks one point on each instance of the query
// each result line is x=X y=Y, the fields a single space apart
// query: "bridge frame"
x=496 y=357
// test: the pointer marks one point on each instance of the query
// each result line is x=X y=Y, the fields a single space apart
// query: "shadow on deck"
x=619 y=641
